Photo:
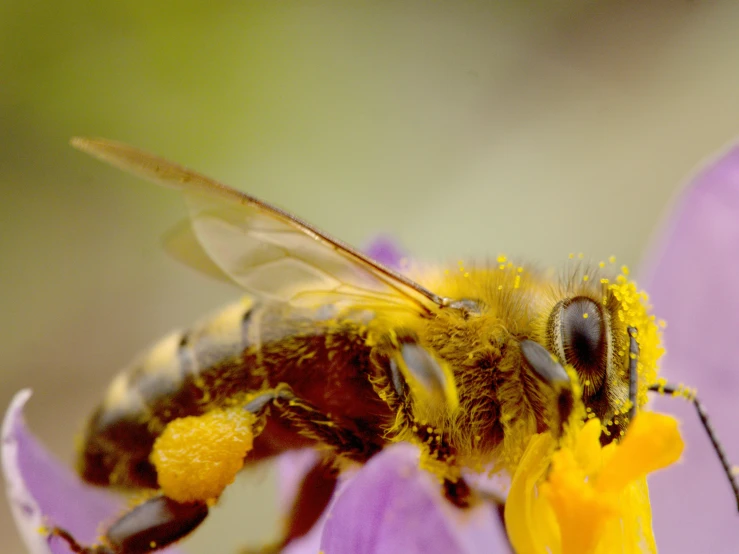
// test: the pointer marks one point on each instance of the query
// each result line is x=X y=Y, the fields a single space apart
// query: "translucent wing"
x=183 y=245
x=265 y=250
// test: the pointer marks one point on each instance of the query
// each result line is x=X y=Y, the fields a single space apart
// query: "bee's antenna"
x=667 y=388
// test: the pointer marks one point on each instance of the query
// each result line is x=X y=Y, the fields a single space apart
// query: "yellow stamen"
x=580 y=498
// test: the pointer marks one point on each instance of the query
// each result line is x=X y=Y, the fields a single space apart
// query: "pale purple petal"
x=43 y=492
x=292 y=467
x=386 y=251
x=394 y=506
x=693 y=281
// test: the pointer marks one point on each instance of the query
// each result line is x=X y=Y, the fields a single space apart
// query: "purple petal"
x=394 y=506
x=43 y=492
x=386 y=251
x=292 y=466
x=693 y=281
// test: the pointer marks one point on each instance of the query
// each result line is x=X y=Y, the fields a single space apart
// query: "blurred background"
x=461 y=128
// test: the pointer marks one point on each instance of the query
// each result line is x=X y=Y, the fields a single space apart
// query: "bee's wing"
x=183 y=245
x=263 y=249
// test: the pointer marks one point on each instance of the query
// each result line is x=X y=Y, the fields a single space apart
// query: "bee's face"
x=588 y=330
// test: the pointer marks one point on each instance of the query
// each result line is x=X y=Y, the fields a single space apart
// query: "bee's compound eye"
x=583 y=334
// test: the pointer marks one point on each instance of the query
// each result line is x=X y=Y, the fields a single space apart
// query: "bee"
x=333 y=350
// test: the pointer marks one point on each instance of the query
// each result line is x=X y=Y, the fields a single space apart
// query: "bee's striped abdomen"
x=162 y=385
x=246 y=348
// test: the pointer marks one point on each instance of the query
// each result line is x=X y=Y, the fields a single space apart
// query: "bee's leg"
x=311 y=500
x=408 y=377
x=463 y=496
x=310 y=422
x=161 y=521
x=405 y=369
x=152 y=525
x=458 y=492
x=318 y=485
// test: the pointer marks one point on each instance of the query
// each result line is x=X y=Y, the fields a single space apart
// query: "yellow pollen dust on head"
x=197 y=457
x=633 y=312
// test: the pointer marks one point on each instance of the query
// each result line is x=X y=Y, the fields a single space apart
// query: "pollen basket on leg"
x=196 y=457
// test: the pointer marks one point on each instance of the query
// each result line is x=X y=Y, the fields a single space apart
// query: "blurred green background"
x=461 y=128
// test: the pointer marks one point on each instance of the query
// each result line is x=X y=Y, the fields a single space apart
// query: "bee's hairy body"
x=339 y=362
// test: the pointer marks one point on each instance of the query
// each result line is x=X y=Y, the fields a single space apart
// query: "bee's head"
x=591 y=329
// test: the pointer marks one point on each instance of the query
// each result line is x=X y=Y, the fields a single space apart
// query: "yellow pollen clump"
x=585 y=316
x=197 y=457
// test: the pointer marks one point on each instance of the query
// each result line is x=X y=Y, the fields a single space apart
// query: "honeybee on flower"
x=335 y=350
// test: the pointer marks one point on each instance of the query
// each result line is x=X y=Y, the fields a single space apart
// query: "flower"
x=394 y=506
x=386 y=251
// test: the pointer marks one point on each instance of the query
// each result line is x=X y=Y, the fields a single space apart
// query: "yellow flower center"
x=581 y=498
